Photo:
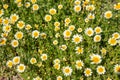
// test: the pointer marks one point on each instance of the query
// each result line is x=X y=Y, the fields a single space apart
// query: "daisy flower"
x=48 y=18
x=57 y=29
x=28 y=27
x=79 y=50
x=89 y=31
x=33 y=1
x=20 y=24
x=101 y=70
x=91 y=16
x=5 y=34
x=5 y=6
x=77 y=2
x=43 y=35
x=14 y=43
x=35 y=7
x=59 y=78
x=116 y=35
x=77 y=8
x=44 y=57
x=21 y=68
x=97 y=38
x=67 y=20
x=117 y=6
x=52 y=11
x=117 y=68
x=16 y=60
x=112 y=41
x=18 y=35
x=35 y=34
x=1 y=12
x=60 y=6
x=56 y=24
x=67 y=71
x=108 y=14
x=67 y=33
x=77 y=39
x=95 y=58
x=3 y=41
x=33 y=60
x=71 y=27
x=56 y=66
x=79 y=64
x=37 y=78
x=18 y=1
x=56 y=61
x=57 y=35
x=5 y=21
x=63 y=47
x=90 y=7
x=7 y=28
x=88 y=72
x=103 y=51
x=98 y=30
x=79 y=30
x=27 y=4
x=86 y=20
x=9 y=63
x=19 y=4
x=55 y=42
x=14 y=18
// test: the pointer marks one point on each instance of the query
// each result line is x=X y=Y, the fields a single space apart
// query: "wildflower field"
x=59 y=39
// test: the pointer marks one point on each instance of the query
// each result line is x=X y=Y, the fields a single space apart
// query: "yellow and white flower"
x=67 y=71
x=20 y=24
x=90 y=7
x=91 y=16
x=60 y=6
x=89 y=31
x=77 y=2
x=63 y=47
x=28 y=27
x=117 y=68
x=7 y=28
x=27 y=4
x=108 y=14
x=71 y=27
x=101 y=70
x=116 y=35
x=33 y=60
x=67 y=33
x=88 y=72
x=14 y=43
x=112 y=41
x=9 y=63
x=35 y=34
x=16 y=60
x=117 y=6
x=6 y=21
x=56 y=66
x=21 y=68
x=98 y=30
x=1 y=12
x=77 y=39
x=48 y=18
x=56 y=61
x=97 y=38
x=3 y=41
x=44 y=57
x=79 y=64
x=35 y=7
x=79 y=50
x=77 y=8
x=55 y=42
x=95 y=58
x=18 y=35
x=59 y=78
x=52 y=11
x=14 y=18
